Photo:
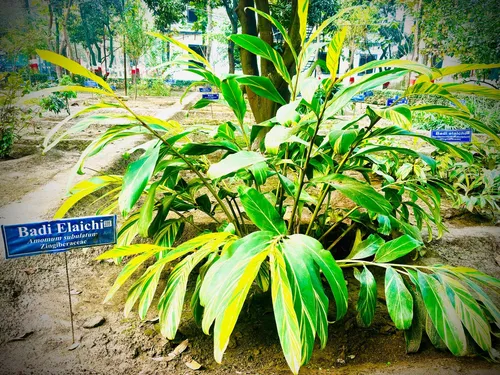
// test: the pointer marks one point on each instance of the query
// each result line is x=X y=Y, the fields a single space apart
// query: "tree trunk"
x=208 y=31
x=230 y=6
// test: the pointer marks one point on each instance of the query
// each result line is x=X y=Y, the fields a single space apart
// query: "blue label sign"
x=458 y=135
x=391 y=101
x=58 y=235
x=205 y=89
x=211 y=96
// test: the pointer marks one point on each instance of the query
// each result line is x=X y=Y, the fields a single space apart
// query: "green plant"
x=13 y=118
x=59 y=100
x=153 y=87
x=476 y=185
x=298 y=166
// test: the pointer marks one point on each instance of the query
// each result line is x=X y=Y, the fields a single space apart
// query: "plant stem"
x=185 y=219
x=341 y=236
x=337 y=223
x=238 y=227
x=244 y=226
x=189 y=164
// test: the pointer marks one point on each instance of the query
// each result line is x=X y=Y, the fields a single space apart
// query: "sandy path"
x=41 y=202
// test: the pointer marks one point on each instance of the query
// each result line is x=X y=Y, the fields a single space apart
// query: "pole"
x=125 y=65
x=69 y=298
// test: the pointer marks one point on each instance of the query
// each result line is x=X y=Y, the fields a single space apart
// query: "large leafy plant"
x=275 y=190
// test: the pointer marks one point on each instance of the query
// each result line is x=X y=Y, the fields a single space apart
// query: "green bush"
x=280 y=214
x=13 y=119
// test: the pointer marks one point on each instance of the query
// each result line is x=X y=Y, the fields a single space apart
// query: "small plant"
x=59 y=100
x=13 y=119
x=310 y=160
x=476 y=185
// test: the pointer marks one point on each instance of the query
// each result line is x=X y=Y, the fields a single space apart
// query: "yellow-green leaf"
x=72 y=66
x=195 y=55
x=335 y=51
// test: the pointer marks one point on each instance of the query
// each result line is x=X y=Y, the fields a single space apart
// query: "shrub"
x=59 y=100
x=309 y=160
x=13 y=119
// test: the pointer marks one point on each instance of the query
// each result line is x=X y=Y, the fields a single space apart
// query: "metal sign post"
x=59 y=236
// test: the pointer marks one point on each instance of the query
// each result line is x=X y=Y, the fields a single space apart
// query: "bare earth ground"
x=35 y=326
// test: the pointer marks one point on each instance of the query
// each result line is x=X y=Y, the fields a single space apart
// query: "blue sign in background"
x=205 y=89
x=211 y=96
x=456 y=135
x=58 y=235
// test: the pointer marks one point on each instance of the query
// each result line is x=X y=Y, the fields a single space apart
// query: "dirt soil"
x=35 y=328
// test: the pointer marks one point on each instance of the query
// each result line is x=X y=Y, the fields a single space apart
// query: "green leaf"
x=260 y=48
x=366 y=248
x=260 y=211
x=429 y=88
x=180 y=45
x=226 y=285
x=442 y=314
x=136 y=178
x=261 y=86
x=394 y=63
x=335 y=51
x=413 y=335
x=260 y=172
x=303 y=10
x=207 y=148
x=123 y=251
x=84 y=189
x=456 y=69
x=281 y=29
x=233 y=163
x=284 y=312
x=146 y=212
x=342 y=140
x=469 y=312
x=331 y=271
x=310 y=301
x=168 y=232
x=130 y=268
x=367 y=299
x=73 y=67
x=359 y=192
x=202 y=103
x=234 y=97
x=172 y=299
x=399 y=300
x=396 y=249
x=400 y=115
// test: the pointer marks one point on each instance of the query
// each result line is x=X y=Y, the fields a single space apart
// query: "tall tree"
x=135 y=27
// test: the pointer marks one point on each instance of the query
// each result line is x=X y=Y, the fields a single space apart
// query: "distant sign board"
x=391 y=101
x=459 y=135
x=58 y=235
x=205 y=89
x=211 y=96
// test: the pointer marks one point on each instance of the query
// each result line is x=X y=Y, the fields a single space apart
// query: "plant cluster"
x=59 y=100
x=13 y=118
x=277 y=192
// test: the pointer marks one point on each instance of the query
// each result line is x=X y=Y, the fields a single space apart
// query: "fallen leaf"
x=154 y=320
x=74 y=346
x=30 y=270
x=159 y=358
x=193 y=365
x=178 y=350
x=22 y=337
x=75 y=292
x=181 y=347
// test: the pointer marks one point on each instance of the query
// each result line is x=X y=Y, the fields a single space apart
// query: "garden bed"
x=34 y=320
